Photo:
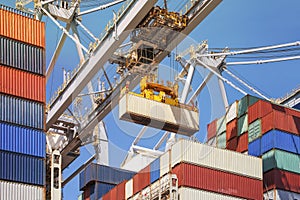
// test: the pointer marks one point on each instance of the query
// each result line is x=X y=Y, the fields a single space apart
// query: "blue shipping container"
x=22 y=140
x=104 y=174
x=22 y=168
x=21 y=112
x=98 y=189
x=155 y=170
x=276 y=139
x=254 y=147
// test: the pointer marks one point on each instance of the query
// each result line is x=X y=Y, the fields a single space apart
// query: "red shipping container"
x=232 y=144
x=278 y=179
x=278 y=108
x=86 y=193
x=120 y=191
x=293 y=124
x=293 y=112
x=107 y=196
x=258 y=110
x=22 y=28
x=275 y=120
x=141 y=180
x=242 y=145
x=113 y=195
x=231 y=129
x=212 y=129
x=22 y=84
x=218 y=181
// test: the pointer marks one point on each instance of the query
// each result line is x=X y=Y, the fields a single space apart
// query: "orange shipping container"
x=22 y=28
x=141 y=179
x=231 y=130
x=22 y=84
x=242 y=144
x=212 y=129
x=275 y=120
x=232 y=144
x=258 y=110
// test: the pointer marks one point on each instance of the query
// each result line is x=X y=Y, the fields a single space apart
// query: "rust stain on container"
x=22 y=84
x=218 y=181
x=22 y=28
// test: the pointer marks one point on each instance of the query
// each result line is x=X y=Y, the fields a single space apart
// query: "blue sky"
x=233 y=24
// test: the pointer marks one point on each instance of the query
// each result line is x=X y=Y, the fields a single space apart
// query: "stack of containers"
x=203 y=172
x=22 y=103
x=274 y=135
x=96 y=180
x=231 y=130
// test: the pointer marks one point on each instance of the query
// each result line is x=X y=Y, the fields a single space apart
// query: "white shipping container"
x=281 y=195
x=129 y=189
x=165 y=163
x=212 y=157
x=232 y=112
x=158 y=115
x=194 y=194
x=18 y=191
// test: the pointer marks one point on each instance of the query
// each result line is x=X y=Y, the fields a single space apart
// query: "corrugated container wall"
x=254 y=130
x=221 y=140
x=22 y=168
x=221 y=125
x=22 y=84
x=281 y=195
x=232 y=112
x=205 y=179
x=243 y=124
x=17 y=191
x=196 y=194
x=259 y=110
x=22 y=56
x=231 y=129
x=129 y=189
x=155 y=170
x=282 y=180
x=212 y=129
x=165 y=163
x=22 y=28
x=141 y=180
x=22 y=140
x=21 y=112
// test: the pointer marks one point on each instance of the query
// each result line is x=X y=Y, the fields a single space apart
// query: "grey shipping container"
x=21 y=112
x=22 y=168
x=22 y=56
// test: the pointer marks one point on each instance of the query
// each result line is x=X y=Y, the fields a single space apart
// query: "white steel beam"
x=100 y=56
x=102 y=7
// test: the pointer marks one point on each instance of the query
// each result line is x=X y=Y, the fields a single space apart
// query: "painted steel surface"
x=212 y=129
x=258 y=110
x=221 y=125
x=231 y=129
x=129 y=189
x=232 y=112
x=141 y=179
x=281 y=195
x=22 y=28
x=218 y=181
x=22 y=84
x=22 y=112
x=22 y=56
x=244 y=103
x=254 y=130
x=19 y=191
x=242 y=124
x=155 y=170
x=221 y=140
x=22 y=168
x=22 y=140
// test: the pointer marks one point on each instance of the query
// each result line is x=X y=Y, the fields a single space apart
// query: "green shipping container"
x=221 y=125
x=281 y=160
x=254 y=130
x=244 y=103
x=221 y=140
x=242 y=124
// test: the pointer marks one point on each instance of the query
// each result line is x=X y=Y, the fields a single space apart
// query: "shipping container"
x=165 y=163
x=242 y=145
x=254 y=130
x=231 y=113
x=22 y=28
x=218 y=181
x=274 y=120
x=212 y=129
x=254 y=147
x=16 y=11
x=22 y=84
x=242 y=124
x=159 y=115
x=18 y=191
x=141 y=180
x=281 y=195
x=232 y=144
x=281 y=140
x=196 y=194
x=22 y=140
x=120 y=191
x=231 y=130
x=258 y=110
x=221 y=125
x=22 y=112
x=284 y=180
x=22 y=56
x=244 y=103
x=102 y=173
x=86 y=193
x=281 y=160
x=129 y=189
x=221 y=140
x=155 y=170
x=22 y=168
x=293 y=124
x=98 y=189
x=292 y=112
x=219 y=159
